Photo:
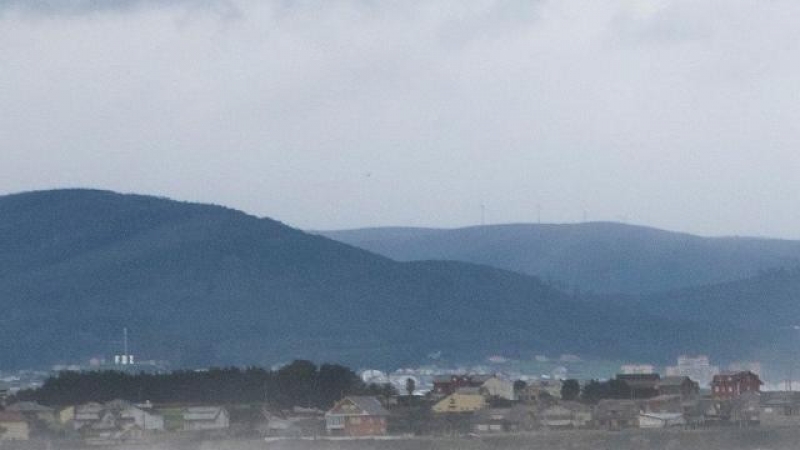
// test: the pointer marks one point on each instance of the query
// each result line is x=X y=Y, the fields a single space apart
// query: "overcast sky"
x=329 y=114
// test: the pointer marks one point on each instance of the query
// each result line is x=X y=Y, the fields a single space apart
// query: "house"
x=684 y=387
x=641 y=385
x=141 y=417
x=66 y=415
x=538 y=390
x=33 y=410
x=556 y=416
x=582 y=416
x=496 y=387
x=661 y=420
x=726 y=386
x=617 y=414
x=746 y=409
x=5 y=389
x=444 y=385
x=13 y=426
x=86 y=415
x=664 y=404
x=357 y=416
x=460 y=402
x=780 y=403
x=493 y=420
x=205 y=418
x=567 y=414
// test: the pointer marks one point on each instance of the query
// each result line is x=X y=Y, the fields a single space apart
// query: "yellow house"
x=460 y=403
x=66 y=415
x=13 y=426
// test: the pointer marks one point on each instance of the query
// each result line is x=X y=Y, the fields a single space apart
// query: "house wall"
x=14 y=431
x=365 y=426
x=496 y=387
x=460 y=403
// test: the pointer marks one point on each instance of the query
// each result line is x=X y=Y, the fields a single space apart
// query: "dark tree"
x=300 y=383
x=594 y=391
x=619 y=389
x=411 y=385
x=570 y=390
x=519 y=386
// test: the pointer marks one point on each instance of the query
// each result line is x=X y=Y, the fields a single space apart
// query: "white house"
x=499 y=388
x=145 y=420
x=661 y=420
x=200 y=418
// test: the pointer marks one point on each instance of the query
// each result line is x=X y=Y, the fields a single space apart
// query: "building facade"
x=357 y=416
x=728 y=386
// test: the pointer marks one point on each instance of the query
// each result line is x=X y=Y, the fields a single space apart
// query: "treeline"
x=301 y=383
x=594 y=391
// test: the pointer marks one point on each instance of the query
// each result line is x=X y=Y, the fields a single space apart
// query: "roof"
x=28 y=407
x=197 y=413
x=575 y=406
x=118 y=404
x=777 y=398
x=370 y=405
x=472 y=379
x=736 y=376
x=11 y=416
x=494 y=414
x=674 y=381
x=469 y=391
x=608 y=405
x=663 y=416
x=640 y=381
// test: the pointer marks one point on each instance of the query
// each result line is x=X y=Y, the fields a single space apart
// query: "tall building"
x=698 y=368
x=637 y=369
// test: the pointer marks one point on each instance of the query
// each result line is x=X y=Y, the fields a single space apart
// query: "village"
x=458 y=405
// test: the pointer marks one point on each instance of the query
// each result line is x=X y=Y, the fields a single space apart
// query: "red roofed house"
x=726 y=386
x=357 y=416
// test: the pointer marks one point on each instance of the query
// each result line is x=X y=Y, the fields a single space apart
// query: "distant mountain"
x=597 y=257
x=200 y=285
x=770 y=300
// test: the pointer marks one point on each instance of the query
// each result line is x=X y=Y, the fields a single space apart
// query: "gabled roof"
x=363 y=406
x=11 y=416
x=118 y=404
x=736 y=376
x=28 y=407
x=640 y=381
x=198 y=413
x=494 y=414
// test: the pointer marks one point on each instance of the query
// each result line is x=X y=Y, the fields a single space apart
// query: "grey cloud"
x=662 y=111
x=81 y=7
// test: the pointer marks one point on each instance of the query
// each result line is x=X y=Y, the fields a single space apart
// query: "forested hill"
x=594 y=257
x=770 y=300
x=205 y=285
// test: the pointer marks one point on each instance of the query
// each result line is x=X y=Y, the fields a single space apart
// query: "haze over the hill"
x=204 y=285
x=593 y=257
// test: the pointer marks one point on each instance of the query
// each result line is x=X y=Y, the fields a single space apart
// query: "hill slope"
x=597 y=257
x=201 y=285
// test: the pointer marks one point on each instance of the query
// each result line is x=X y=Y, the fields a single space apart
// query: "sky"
x=678 y=114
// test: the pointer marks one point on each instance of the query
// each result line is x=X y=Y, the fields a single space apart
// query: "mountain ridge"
x=596 y=257
x=207 y=285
